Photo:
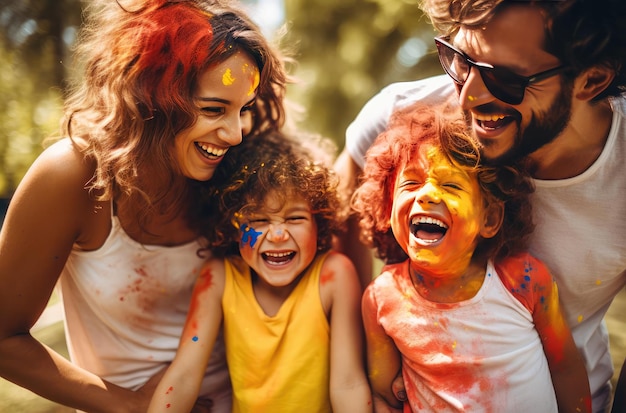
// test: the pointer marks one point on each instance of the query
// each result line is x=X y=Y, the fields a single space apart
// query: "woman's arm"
x=349 y=389
x=567 y=368
x=179 y=387
x=49 y=213
x=383 y=358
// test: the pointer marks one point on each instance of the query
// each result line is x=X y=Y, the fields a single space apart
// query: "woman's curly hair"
x=443 y=127
x=288 y=166
x=141 y=61
x=580 y=33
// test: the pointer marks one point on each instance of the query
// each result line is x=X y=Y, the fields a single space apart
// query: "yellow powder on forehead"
x=255 y=77
x=434 y=153
x=227 y=78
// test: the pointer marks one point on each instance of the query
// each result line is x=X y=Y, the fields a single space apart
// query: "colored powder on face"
x=169 y=390
x=227 y=78
x=249 y=235
x=255 y=77
x=194 y=338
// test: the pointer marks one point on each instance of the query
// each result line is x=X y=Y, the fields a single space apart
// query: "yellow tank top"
x=277 y=364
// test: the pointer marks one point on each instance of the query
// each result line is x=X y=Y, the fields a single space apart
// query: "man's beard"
x=543 y=128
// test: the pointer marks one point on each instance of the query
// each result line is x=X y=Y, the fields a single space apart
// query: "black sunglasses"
x=502 y=83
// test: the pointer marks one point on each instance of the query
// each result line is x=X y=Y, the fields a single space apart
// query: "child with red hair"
x=471 y=320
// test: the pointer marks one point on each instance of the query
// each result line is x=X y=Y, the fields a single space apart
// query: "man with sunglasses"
x=538 y=81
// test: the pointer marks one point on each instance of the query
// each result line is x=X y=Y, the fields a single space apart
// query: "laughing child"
x=472 y=321
x=290 y=308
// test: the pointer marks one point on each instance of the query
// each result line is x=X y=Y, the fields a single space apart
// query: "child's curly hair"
x=270 y=162
x=442 y=127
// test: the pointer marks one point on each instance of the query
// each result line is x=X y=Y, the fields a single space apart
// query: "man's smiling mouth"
x=492 y=122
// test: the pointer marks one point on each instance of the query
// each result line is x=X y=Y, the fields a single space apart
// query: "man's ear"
x=592 y=82
x=494 y=215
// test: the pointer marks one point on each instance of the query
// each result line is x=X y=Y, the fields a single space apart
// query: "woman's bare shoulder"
x=55 y=189
x=64 y=159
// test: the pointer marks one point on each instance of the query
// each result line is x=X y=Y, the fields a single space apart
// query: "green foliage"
x=34 y=39
x=348 y=50
x=28 y=114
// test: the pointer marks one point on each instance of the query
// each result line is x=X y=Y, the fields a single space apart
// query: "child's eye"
x=453 y=186
x=258 y=221
x=296 y=219
x=409 y=184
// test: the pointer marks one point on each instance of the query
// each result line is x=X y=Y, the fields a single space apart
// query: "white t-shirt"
x=483 y=354
x=580 y=229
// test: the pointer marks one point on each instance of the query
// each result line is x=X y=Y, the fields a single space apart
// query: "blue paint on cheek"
x=249 y=235
x=194 y=338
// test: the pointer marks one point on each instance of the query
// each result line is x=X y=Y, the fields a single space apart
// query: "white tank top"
x=125 y=307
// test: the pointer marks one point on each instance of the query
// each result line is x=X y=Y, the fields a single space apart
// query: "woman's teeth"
x=211 y=150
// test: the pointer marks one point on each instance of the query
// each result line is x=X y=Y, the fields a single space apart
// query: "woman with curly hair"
x=288 y=305
x=108 y=212
x=472 y=320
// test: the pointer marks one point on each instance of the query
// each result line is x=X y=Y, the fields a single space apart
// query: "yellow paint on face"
x=227 y=78
x=255 y=82
x=250 y=72
x=254 y=75
x=430 y=185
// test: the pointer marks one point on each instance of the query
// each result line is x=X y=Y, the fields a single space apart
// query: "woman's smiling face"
x=224 y=95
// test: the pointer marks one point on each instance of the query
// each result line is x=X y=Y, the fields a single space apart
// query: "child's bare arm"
x=349 y=389
x=178 y=389
x=569 y=376
x=383 y=358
